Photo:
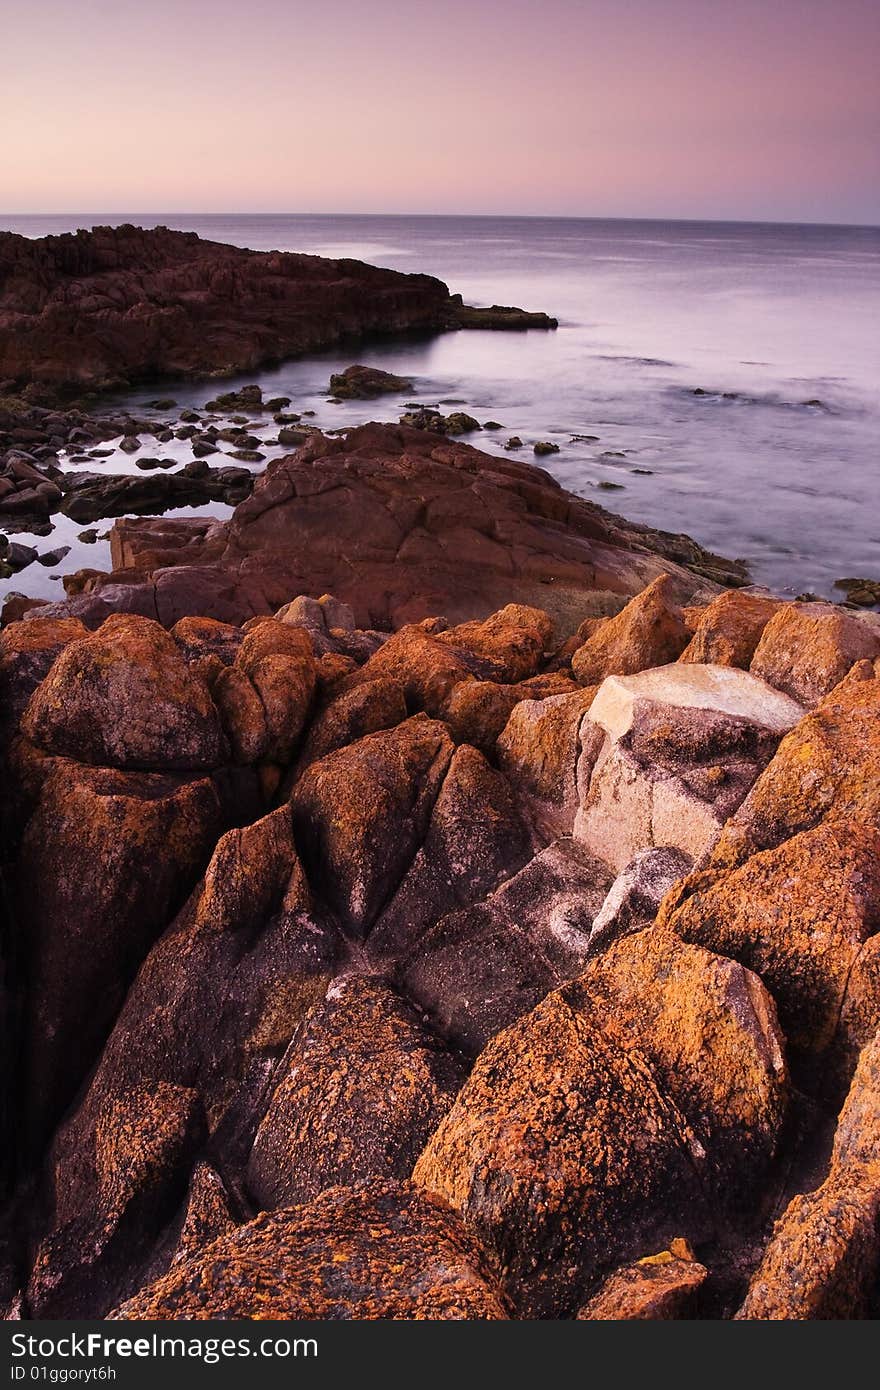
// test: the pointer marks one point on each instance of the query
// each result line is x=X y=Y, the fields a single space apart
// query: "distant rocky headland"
x=423 y=893
x=113 y=306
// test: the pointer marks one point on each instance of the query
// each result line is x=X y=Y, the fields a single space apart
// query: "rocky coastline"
x=425 y=894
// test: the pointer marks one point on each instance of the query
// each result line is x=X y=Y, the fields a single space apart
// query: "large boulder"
x=650 y=631
x=361 y=813
x=806 y=649
x=107 y=857
x=477 y=711
x=365 y=709
x=668 y=756
x=509 y=645
x=279 y=661
x=145 y=1143
x=729 y=629
x=360 y=1091
x=798 y=916
x=124 y=697
x=381 y=1250
x=587 y=1133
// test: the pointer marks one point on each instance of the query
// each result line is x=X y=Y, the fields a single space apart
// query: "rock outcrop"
x=401 y=524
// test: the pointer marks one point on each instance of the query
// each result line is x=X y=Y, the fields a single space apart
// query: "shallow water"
x=762 y=318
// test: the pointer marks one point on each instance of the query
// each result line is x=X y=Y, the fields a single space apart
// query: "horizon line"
x=474 y=216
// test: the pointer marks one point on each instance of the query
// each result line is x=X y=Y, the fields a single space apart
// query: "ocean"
x=727 y=374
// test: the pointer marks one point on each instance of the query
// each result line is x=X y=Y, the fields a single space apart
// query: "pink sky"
x=764 y=109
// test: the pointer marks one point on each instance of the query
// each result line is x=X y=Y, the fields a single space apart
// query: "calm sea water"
x=765 y=319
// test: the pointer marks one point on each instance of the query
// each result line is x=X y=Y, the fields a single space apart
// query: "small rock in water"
x=514 y=442
x=359 y=383
x=276 y=403
x=166 y=403
x=18 y=556
x=248 y=398
x=585 y=439
x=54 y=557
x=147 y=464
x=88 y=537
x=609 y=486
x=544 y=446
x=288 y=418
x=189 y=417
x=492 y=425
x=248 y=455
x=130 y=444
x=646 y=472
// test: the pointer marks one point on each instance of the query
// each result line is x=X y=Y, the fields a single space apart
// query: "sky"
x=750 y=109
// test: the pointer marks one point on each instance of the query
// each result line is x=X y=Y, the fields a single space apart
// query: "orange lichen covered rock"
x=381 y=1250
x=360 y=1091
x=564 y=1157
x=365 y=709
x=649 y=631
x=426 y=669
x=823 y=1257
x=657 y=1287
x=198 y=637
x=807 y=648
x=124 y=697
x=727 y=632
x=106 y=859
x=242 y=714
x=279 y=661
x=27 y=653
x=212 y=1010
x=361 y=813
x=511 y=642
x=145 y=1140
x=477 y=711
x=539 y=749
x=797 y=915
x=604 y=1121
x=709 y=1029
